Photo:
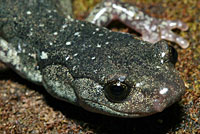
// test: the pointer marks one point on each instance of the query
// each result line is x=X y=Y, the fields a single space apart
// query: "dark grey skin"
x=102 y=71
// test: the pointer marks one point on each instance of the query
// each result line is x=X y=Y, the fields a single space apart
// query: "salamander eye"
x=116 y=91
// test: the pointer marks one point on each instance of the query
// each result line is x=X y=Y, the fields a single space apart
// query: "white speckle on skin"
x=4 y=44
x=68 y=43
x=103 y=77
x=153 y=28
x=122 y=78
x=77 y=34
x=49 y=11
x=19 y=48
x=163 y=36
x=164 y=90
x=30 y=34
x=147 y=26
x=120 y=9
x=123 y=17
x=172 y=24
x=74 y=67
x=64 y=26
x=55 y=33
x=117 y=8
x=98 y=45
x=44 y=55
x=137 y=17
x=139 y=84
x=32 y=55
x=98 y=87
x=69 y=17
x=41 y=25
x=100 y=34
x=118 y=83
x=163 y=54
x=75 y=54
x=97 y=29
x=50 y=16
x=158 y=67
x=28 y=12
x=67 y=58
x=84 y=45
x=95 y=71
x=164 y=23
x=99 y=15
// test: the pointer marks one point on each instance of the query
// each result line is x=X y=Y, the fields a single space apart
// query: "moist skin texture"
x=75 y=60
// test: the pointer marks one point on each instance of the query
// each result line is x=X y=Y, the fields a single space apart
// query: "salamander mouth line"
x=129 y=113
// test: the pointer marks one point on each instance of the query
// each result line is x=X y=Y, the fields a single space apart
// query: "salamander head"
x=135 y=81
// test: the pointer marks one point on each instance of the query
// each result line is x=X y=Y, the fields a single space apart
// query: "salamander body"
x=87 y=65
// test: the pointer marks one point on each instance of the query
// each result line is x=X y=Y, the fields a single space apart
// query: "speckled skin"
x=74 y=60
x=152 y=29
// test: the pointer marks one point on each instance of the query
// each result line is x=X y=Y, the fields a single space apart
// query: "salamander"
x=88 y=65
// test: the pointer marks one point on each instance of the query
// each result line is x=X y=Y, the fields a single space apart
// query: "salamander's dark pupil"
x=116 y=91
